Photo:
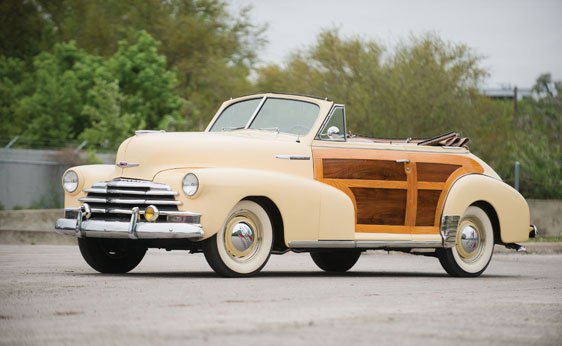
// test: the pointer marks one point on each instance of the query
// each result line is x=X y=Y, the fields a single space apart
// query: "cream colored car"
x=276 y=172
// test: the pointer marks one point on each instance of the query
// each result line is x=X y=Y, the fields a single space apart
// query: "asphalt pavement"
x=48 y=296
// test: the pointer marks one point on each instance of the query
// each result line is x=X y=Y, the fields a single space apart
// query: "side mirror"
x=333 y=130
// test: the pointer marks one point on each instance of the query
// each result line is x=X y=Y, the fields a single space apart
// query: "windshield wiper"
x=232 y=128
x=276 y=129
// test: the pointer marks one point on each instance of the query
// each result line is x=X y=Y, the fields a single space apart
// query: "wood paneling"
x=427 y=205
x=435 y=172
x=380 y=206
x=391 y=197
x=363 y=169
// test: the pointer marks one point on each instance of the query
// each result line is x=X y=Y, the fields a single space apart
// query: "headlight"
x=70 y=181
x=190 y=184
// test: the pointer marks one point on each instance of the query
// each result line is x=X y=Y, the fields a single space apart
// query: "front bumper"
x=82 y=227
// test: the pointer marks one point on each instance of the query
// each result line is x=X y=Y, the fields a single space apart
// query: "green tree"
x=211 y=49
x=423 y=88
x=148 y=87
x=72 y=94
x=538 y=139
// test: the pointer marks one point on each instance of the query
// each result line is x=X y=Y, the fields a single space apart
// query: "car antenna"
x=298 y=137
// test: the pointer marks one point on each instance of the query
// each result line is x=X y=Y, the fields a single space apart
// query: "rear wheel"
x=242 y=247
x=114 y=256
x=335 y=261
x=474 y=245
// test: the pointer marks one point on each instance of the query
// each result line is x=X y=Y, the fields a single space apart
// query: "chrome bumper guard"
x=448 y=229
x=82 y=227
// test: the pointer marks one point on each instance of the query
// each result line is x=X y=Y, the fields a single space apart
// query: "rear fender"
x=511 y=208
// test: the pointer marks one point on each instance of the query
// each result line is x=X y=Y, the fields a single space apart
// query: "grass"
x=545 y=240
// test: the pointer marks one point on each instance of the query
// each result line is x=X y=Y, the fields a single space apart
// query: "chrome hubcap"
x=242 y=236
x=469 y=239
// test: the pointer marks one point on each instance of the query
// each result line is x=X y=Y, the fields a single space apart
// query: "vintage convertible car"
x=277 y=172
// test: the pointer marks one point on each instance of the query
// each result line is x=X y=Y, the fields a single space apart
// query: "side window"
x=334 y=129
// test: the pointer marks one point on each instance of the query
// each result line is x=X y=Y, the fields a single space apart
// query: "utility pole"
x=516 y=175
x=515 y=108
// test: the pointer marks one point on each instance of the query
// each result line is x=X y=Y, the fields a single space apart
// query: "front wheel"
x=474 y=245
x=115 y=256
x=242 y=247
x=335 y=261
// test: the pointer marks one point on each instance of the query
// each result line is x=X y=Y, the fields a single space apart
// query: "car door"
x=394 y=188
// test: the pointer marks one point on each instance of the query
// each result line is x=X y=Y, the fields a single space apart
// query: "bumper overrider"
x=178 y=225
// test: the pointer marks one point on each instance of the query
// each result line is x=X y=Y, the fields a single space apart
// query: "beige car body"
x=234 y=165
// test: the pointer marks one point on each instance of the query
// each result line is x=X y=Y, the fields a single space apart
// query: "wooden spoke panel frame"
x=391 y=196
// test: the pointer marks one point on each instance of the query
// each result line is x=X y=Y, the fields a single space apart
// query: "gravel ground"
x=48 y=295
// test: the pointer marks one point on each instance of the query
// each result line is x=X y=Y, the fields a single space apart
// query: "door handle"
x=403 y=161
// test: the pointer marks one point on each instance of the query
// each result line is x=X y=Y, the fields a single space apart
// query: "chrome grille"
x=114 y=200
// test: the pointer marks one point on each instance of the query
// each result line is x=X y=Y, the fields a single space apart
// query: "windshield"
x=279 y=115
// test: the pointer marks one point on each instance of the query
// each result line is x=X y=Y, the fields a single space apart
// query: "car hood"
x=145 y=155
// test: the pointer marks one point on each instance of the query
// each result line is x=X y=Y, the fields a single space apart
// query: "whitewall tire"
x=474 y=245
x=243 y=245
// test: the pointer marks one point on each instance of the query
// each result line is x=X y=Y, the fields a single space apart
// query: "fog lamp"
x=151 y=213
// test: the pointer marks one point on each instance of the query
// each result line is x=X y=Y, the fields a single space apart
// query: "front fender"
x=306 y=205
x=510 y=206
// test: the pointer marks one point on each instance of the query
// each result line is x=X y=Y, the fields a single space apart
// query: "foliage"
x=98 y=70
x=425 y=87
x=72 y=94
x=539 y=142
x=211 y=49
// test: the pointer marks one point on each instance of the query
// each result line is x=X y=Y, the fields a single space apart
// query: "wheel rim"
x=243 y=236
x=470 y=240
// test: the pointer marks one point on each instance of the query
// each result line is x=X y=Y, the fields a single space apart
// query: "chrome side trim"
x=363 y=244
x=397 y=244
x=292 y=157
x=145 y=132
x=448 y=230
x=322 y=244
x=124 y=164
x=128 y=201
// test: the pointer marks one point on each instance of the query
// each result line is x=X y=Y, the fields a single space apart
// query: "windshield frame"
x=256 y=112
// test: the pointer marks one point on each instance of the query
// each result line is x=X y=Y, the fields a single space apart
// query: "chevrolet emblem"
x=125 y=164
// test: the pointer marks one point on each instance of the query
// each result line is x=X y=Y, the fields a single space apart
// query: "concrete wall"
x=32 y=178
x=547 y=216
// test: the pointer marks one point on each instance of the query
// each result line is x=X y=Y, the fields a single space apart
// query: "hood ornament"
x=125 y=164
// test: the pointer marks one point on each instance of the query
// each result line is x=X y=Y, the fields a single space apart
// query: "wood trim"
x=363 y=169
x=411 y=206
x=461 y=162
x=427 y=205
x=424 y=185
x=435 y=172
x=360 y=228
x=380 y=206
x=375 y=184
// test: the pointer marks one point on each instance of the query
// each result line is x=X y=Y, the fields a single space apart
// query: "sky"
x=518 y=39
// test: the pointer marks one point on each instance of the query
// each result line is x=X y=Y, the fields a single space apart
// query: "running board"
x=364 y=244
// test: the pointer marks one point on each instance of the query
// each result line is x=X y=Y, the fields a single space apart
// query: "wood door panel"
x=435 y=172
x=380 y=206
x=426 y=207
x=388 y=196
x=363 y=169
